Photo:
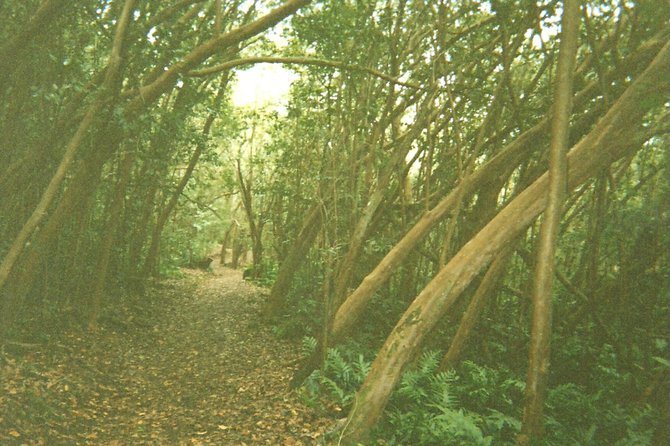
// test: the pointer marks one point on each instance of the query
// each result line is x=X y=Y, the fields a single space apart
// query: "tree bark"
x=488 y=284
x=350 y=311
x=345 y=266
x=532 y=429
x=151 y=263
x=617 y=134
x=105 y=252
x=255 y=229
x=291 y=264
x=224 y=245
x=76 y=199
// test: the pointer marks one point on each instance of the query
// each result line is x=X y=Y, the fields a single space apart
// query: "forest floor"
x=196 y=367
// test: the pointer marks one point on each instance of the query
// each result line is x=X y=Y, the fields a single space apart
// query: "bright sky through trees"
x=263 y=85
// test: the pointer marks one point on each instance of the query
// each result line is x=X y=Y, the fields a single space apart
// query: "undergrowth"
x=473 y=405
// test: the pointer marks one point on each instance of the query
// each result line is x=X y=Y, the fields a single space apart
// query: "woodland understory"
x=452 y=230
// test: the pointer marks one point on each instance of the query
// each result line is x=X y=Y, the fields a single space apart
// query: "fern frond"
x=429 y=362
x=361 y=369
x=309 y=344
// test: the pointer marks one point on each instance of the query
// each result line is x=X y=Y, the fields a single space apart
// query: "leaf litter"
x=192 y=366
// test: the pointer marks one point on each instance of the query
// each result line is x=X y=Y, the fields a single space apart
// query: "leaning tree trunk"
x=617 y=134
x=140 y=99
x=255 y=229
x=224 y=245
x=76 y=199
x=114 y=214
x=152 y=260
x=491 y=279
x=380 y=195
x=532 y=429
x=351 y=310
x=344 y=269
x=292 y=262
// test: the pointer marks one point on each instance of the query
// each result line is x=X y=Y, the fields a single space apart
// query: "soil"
x=190 y=364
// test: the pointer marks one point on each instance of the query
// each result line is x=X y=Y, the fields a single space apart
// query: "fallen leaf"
x=14 y=433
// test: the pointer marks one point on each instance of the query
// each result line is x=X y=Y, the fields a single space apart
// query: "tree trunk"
x=255 y=229
x=151 y=263
x=76 y=199
x=532 y=429
x=350 y=311
x=617 y=134
x=238 y=246
x=345 y=267
x=291 y=264
x=501 y=164
x=105 y=250
x=488 y=284
x=224 y=245
x=139 y=235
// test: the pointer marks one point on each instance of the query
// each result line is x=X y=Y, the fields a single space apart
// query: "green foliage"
x=577 y=417
x=486 y=388
x=302 y=321
x=266 y=274
x=340 y=377
x=424 y=410
x=309 y=345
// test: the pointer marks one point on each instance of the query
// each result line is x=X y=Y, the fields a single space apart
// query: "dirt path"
x=201 y=370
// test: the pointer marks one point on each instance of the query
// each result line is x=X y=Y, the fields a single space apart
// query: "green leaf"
x=664 y=362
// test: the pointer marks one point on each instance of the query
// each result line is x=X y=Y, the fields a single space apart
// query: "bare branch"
x=300 y=61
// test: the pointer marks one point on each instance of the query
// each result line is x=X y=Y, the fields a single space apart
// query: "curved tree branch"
x=148 y=93
x=300 y=61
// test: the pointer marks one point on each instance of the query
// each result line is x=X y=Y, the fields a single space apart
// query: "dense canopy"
x=460 y=208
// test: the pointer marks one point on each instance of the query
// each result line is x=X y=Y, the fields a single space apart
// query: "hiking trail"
x=195 y=367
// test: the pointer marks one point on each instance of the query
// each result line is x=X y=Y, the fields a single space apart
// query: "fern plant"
x=309 y=344
x=340 y=377
x=424 y=410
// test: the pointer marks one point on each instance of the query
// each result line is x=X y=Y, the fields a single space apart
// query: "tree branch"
x=300 y=61
x=147 y=94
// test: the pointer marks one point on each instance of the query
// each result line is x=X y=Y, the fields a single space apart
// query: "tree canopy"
x=442 y=177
